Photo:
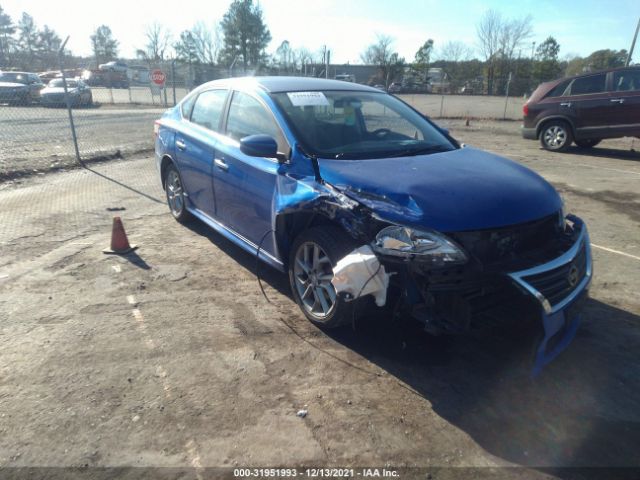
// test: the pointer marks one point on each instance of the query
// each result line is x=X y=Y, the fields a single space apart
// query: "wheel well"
x=166 y=161
x=546 y=121
x=290 y=225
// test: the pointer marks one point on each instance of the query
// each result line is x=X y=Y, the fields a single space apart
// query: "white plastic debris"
x=360 y=273
x=302 y=413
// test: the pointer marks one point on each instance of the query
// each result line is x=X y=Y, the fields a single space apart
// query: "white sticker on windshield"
x=305 y=99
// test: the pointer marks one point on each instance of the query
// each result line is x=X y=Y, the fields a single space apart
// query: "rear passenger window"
x=187 y=105
x=558 y=90
x=586 y=85
x=247 y=116
x=208 y=109
x=626 y=81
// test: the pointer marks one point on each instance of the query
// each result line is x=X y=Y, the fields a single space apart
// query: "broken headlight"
x=426 y=246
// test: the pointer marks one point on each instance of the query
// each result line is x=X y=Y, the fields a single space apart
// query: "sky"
x=347 y=27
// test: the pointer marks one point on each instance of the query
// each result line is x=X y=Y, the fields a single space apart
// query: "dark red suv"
x=584 y=109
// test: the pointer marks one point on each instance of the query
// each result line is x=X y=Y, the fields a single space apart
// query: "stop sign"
x=158 y=77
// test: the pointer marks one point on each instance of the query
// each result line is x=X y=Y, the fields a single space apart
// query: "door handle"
x=565 y=104
x=221 y=164
x=617 y=100
x=180 y=144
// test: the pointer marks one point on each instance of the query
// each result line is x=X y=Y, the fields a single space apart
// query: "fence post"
x=68 y=100
x=173 y=79
x=441 y=104
x=506 y=98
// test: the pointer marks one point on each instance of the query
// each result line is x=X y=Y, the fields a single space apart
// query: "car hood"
x=464 y=189
x=12 y=85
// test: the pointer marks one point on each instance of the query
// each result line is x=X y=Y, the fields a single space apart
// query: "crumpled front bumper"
x=559 y=286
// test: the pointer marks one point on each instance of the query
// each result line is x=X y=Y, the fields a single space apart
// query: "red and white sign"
x=158 y=77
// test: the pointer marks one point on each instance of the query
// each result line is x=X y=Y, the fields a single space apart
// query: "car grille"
x=515 y=247
x=558 y=283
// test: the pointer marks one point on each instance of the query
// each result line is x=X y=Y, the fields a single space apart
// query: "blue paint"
x=552 y=325
x=464 y=189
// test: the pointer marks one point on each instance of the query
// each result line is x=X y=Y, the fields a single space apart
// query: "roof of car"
x=291 y=84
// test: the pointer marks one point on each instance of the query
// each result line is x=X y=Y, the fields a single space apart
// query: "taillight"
x=525 y=109
x=156 y=128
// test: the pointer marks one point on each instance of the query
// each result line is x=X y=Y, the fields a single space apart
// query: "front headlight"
x=425 y=246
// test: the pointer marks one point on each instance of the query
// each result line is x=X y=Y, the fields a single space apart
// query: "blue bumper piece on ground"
x=559 y=323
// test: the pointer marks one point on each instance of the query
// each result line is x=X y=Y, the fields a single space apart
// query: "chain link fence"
x=114 y=114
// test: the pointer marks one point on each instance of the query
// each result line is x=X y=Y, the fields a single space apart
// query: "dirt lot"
x=172 y=358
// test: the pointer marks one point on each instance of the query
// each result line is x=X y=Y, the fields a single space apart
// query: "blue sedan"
x=357 y=195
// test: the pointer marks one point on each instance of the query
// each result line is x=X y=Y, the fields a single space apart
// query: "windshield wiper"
x=420 y=151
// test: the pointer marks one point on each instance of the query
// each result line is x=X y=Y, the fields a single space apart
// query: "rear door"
x=196 y=148
x=625 y=99
x=245 y=185
x=589 y=101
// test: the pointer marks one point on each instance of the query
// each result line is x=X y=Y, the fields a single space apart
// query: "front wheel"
x=175 y=194
x=556 y=136
x=314 y=254
x=589 y=143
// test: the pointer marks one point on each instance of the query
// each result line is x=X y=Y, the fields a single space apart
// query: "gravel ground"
x=171 y=357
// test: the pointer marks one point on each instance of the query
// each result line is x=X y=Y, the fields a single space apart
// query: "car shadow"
x=582 y=411
x=605 y=153
x=269 y=275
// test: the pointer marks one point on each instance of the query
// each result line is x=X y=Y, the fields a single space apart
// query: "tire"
x=320 y=304
x=589 y=143
x=174 y=191
x=556 y=136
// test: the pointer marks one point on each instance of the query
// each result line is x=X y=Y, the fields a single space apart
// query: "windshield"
x=358 y=125
x=57 y=82
x=13 y=77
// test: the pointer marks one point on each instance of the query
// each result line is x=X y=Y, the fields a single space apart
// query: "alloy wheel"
x=555 y=136
x=174 y=193
x=312 y=275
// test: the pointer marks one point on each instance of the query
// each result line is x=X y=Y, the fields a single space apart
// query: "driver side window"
x=247 y=116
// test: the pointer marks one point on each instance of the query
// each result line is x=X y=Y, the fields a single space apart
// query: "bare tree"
x=158 y=41
x=381 y=54
x=454 y=51
x=498 y=39
x=488 y=31
x=207 y=42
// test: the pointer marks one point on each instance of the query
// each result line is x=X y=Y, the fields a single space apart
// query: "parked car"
x=304 y=173
x=53 y=94
x=114 y=66
x=22 y=88
x=584 y=109
x=105 y=78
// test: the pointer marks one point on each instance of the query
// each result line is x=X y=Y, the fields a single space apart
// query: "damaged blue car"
x=355 y=194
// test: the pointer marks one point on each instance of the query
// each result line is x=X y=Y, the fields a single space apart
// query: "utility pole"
x=633 y=44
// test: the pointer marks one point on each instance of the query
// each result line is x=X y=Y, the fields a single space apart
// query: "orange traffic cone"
x=119 y=241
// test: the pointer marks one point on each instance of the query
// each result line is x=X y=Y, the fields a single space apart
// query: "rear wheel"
x=314 y=254
x=175 y=194
x=556 y=136
x=589 y=143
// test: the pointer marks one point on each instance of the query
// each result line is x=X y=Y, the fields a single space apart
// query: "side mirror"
x=259 y=146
